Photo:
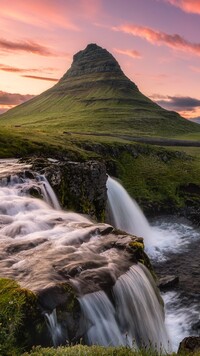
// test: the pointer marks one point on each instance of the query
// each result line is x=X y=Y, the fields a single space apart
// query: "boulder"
x=189 y=345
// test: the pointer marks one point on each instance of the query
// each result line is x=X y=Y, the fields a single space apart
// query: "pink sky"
x=156 y=43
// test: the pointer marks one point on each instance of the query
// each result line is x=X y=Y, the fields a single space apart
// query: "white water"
x=41 y=246
x=137 y=320
x=125 y=213
x=162 y=237
x=179 y=318
x=54 y=327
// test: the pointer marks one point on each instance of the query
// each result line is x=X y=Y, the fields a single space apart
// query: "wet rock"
x=168 y=282
x=80 y=186
x=189 y=345
x=196 y=326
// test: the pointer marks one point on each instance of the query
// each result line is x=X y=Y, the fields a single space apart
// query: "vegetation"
x=80 y=350
x=12 y=301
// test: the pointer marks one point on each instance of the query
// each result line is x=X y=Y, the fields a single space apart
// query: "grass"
x=80 y=350
x=97 y=102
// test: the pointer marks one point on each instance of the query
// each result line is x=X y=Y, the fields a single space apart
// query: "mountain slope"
x=95 y=96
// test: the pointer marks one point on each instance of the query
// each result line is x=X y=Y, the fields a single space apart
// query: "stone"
x=189 y=345
x=168 y=282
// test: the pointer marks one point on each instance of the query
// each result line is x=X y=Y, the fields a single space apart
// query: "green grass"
x=80 y=350
x=97 y=102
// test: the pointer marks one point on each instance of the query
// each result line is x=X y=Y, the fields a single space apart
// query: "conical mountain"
x=94 y=95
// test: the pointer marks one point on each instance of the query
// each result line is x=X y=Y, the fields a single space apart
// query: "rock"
x=196 y=326
x=80 y=186
x=189 y=344
x=93 y=59
x=168 y=282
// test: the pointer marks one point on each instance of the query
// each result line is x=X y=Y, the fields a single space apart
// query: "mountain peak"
x=93 y=59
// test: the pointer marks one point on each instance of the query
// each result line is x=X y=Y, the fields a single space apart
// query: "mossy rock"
x=21 y=322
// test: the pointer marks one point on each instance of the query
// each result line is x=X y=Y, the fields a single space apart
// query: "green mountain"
x=95 y=96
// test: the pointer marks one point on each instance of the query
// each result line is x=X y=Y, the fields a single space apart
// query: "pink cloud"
x=25 y=46
x=50 y=13
x=128 y=52
x=12 y=69
x=158 y=38
x=195 y=69
x=39 y=13
x=191 y=6
x=8 y=99
x=40 y=78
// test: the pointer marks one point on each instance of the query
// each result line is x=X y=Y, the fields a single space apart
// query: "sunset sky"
x=156 y=43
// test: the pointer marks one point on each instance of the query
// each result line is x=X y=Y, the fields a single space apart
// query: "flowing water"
x=162 y=238
x=42 y=245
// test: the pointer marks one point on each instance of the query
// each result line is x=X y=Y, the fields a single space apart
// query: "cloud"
x=7 y=99
x=40 y=78
x=11 y=69
x=177 y=103
x=186 y=106
x=158 y=38
x=43 y=14
x=128 y=52
x=25 y=46
x=191 y=6
x=51 y=14
x=195 y=69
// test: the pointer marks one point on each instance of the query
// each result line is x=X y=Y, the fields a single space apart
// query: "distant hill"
x=94 y=95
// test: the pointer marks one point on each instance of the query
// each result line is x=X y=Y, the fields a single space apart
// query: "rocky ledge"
x=79 y=186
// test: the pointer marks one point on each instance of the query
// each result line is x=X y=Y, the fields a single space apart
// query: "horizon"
x=154 y=41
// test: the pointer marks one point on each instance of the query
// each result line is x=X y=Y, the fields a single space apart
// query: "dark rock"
x=80 y=186
x=196 y=326
x=93 y=59
x=168 y=282
x=189 y=344
x=29 y=174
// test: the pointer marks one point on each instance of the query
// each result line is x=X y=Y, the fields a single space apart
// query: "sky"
x=156 y=43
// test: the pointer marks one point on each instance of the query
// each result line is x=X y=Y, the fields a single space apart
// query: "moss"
x=137 y=245
x=72 y=299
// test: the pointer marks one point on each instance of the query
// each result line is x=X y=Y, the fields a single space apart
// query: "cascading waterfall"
x=54 y=328
x=135 y=319
x=41 y=247
x=124 y=212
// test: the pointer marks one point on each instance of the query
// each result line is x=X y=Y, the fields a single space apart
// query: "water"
x=41 y=246
x=163 y=237
x=179 y=318
x=124 y=213
x=54 y=328
x=136 y=318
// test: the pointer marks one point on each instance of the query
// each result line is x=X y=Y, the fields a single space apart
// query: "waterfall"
x=54 y=328
x=42 y=246
x=100 y=322
x=48 y=192
x=135 y=318
x=23 y=185
x=124 y=212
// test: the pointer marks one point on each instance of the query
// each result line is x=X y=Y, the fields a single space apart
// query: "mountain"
x=94 y=95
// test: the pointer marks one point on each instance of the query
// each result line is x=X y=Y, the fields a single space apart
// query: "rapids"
x=42 y=246
x=163 y=238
